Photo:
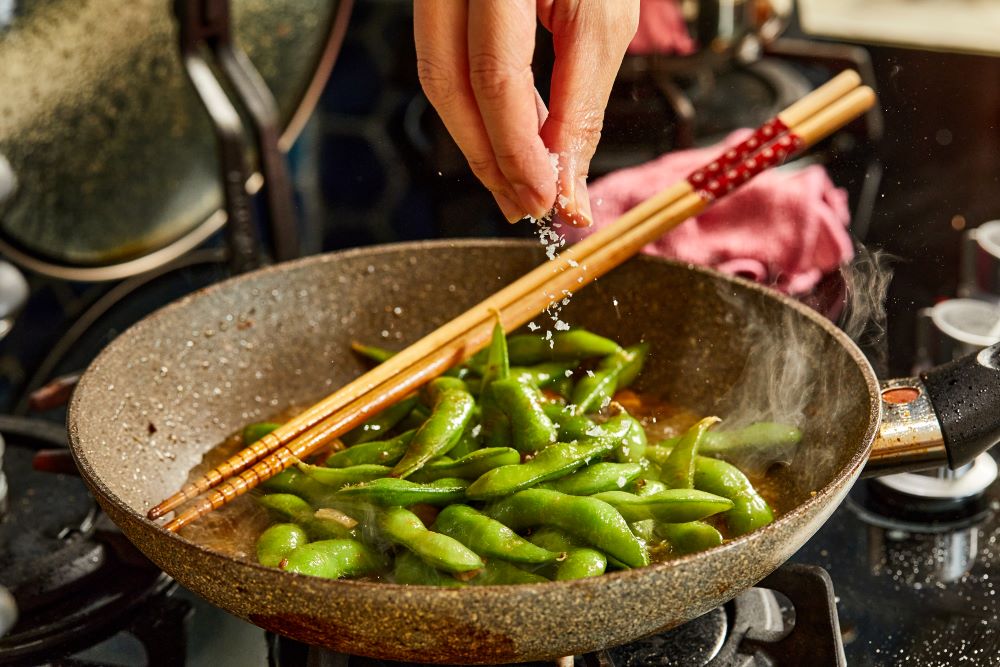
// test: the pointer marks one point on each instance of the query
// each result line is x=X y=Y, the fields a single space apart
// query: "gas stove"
x=893 y=578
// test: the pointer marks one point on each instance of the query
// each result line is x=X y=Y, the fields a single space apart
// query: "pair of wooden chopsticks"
x=801 y=125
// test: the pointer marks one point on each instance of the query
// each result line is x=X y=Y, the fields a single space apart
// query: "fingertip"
x=573 y=203
x=511 y=210
x=536 y=202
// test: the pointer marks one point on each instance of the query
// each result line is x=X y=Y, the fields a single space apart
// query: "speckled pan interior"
x=243 y=350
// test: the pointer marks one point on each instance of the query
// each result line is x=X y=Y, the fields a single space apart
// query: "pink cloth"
x=661 y=30
x=784 y=228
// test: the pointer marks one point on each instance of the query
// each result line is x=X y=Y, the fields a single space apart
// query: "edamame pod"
x=336 y=478
x=530 y=427
x=596 y=389
x=526 y=350
x=670 y=506
x=439 y=433
x=581 y=563
x=332 y=559
x=501 y=573
x=677 y=471
x=439 y=385
x=390 y=491
x=293 y=480
x=379 y=426
x=404 y=528
x=488 y=537
x=750 y=511
x=596 y=478
x=470 y=466
x=757 y=435
x=275 y=543
x=541 y=375
x=409 y=569
x=585 y=517
x=373 y=352
x=691 y=537
x=293 y=509
x=376 y=452
x=551 y=463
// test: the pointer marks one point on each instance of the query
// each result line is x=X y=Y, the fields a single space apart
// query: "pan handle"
x=966 y=398
x=948 y=415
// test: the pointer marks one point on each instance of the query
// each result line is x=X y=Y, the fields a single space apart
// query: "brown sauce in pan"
x=233 y=529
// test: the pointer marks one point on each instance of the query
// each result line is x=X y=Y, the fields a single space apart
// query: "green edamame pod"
x=376 y=452
x=646 y=486
x=410 y=569
x=404 y=528
x=293 y=480
x=691 y=537
x=596 y=389
x=373 y=352
x=439 y=433
x=756 y=436
x=332 y=559
x=581 y=563
x=390 y=491
x=562 y=386
x=254 y=432
x=293 y=509
x=530 y=427
x=633 y=366
x=750 y=511
x=275 y=543
x=544 y=374
x=659 y=453
x=632 y=446
x=336 y=478
x=585 y=517
x=418 y=415
x=678 y=470
x=501 y=573
x=552 y=462
x=571 y=426
x=671 y=506
x=527 y=350
x=488 y=537
x=380 y=425
x=497 y=365
x=467 y=442
x=437 y=386
x=596 y=478
x=470 y=466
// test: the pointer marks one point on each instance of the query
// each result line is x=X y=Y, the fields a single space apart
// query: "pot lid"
x=110 y=153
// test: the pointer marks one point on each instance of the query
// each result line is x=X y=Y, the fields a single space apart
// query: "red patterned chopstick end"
x=726 y=173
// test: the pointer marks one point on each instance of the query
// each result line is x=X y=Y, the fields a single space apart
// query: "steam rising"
x=866 y=280
x=786 y=365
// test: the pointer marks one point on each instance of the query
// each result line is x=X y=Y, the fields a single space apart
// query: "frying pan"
x=180 y=381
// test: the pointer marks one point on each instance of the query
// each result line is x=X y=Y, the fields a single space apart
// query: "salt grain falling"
x=552 y=240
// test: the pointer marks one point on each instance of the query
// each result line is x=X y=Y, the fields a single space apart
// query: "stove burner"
x=943 y=497
x=753 y=630
x=73 y=577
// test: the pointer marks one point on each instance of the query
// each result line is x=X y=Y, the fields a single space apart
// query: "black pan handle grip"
x=966 y=397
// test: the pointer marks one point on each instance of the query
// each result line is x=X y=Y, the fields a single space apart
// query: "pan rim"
x=843 y=479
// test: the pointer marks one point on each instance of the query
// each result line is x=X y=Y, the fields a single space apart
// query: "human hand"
x=474 y=61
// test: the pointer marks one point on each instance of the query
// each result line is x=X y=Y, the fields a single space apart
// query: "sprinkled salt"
x=533 y=327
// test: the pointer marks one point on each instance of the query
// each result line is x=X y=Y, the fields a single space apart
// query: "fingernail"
x=574 y=205
x=510 y=209
x=581 y=201
x=532 y=200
